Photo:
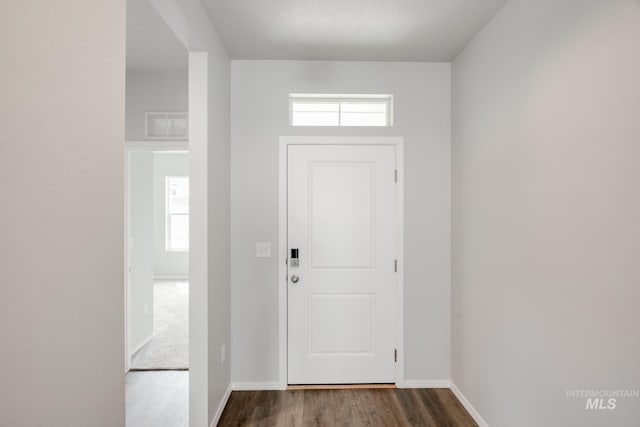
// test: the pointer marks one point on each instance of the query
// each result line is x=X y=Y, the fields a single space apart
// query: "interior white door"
x=341 y=296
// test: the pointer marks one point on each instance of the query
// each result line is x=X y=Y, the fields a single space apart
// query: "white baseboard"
x=426 y=384
x=267 y=385
x=223 y=403
x=275 y=385
x=468 y=406
x=142 y=343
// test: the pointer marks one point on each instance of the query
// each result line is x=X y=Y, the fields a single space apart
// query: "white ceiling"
x=151 y=45
x=377 y=30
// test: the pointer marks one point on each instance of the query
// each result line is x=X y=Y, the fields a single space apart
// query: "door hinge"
x=395 y=175
x=395 y=265
x=395 y=355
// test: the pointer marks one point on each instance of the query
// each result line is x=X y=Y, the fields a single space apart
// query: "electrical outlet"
x=223 y=352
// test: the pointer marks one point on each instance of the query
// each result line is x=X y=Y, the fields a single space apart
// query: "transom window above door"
x=340 y=110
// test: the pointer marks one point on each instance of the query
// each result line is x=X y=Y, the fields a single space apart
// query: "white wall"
x=219 y=224
x=546 y=202
x=259 y=115
x=167 y=264
x=62 y=204
x=153 y=90
x=140 y=206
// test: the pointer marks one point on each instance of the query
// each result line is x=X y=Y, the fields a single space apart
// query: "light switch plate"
x=263 y=249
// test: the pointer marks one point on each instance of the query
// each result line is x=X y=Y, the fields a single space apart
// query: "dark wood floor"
x=373 y=407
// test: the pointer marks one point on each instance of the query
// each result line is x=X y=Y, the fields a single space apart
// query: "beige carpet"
x=169 y=348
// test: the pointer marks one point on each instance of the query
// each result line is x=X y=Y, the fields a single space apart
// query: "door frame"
x=285 y=141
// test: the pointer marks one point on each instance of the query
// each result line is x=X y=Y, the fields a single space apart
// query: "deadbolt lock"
x=293 y=260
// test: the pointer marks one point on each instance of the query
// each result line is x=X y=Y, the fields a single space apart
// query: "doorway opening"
x=157 y=294
x=158 y=262
x=157 y=342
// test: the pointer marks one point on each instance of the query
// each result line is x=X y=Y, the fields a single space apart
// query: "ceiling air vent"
x=167 y=125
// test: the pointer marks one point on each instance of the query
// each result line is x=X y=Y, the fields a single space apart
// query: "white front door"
x=342 y=295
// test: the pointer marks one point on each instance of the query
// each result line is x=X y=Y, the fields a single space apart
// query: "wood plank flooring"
x=355 y=407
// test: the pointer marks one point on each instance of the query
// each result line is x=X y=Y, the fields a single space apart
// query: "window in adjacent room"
x=177 y=220
x=340 y=110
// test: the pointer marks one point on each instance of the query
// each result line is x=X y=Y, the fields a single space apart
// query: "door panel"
x=342 y=212
x=341 y=218
x=351 y=314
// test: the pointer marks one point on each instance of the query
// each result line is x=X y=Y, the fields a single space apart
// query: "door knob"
x=294 y=279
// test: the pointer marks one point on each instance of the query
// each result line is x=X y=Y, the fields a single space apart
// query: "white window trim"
x=168 y=215
x=318 y=98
